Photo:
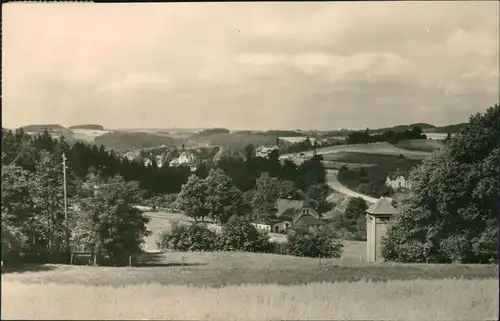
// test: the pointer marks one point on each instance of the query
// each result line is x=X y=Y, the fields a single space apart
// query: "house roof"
x=307 y=220
x=284 y=204
x=288 y=214
x=382 y=207
x=394 y=174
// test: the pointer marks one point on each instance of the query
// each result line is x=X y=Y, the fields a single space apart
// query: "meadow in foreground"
x=447 y=299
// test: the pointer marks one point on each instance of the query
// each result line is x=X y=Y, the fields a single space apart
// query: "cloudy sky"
x=249 y=65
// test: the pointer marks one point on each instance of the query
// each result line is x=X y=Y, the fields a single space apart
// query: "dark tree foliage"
x=390 y=136
x=451 y=213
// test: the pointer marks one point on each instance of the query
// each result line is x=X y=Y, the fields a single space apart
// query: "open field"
x=408 y=300
x=373 y=148
x=358 y=158
x=217 y=269
x=251 y=286
x=88 y=135
x=425 y=145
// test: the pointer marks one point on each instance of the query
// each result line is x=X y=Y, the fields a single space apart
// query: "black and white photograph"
x=260 y=160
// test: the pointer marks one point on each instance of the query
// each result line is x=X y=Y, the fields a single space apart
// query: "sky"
x=262 y=65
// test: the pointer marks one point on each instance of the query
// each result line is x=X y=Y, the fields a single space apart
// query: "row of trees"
x=238 y=234
x=217 y=198
x=390 y=136
x=100 y=218
x=451 y=213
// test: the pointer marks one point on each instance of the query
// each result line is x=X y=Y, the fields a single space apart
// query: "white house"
x=184 y=158
x=263 y=151
x=297 y=215
x=398 y=181
x=262 y=227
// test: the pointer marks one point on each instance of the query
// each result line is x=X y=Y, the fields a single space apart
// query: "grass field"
x=245 y=286
x=425 y=145
x=408 y=300
x=251 y=286
x=373 y=148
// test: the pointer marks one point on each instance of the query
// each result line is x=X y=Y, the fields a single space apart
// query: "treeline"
x=132 y=140
x=212 y=131
x=283 y=133
x=245 y=169
x=307 y=145
x=100 y=218
x=83 y=159
x=87 y=126
x=390 y=136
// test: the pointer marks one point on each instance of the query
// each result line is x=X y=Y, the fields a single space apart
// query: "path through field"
x=333 y=182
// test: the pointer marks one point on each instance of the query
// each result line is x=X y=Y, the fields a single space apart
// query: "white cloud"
x=249 y=64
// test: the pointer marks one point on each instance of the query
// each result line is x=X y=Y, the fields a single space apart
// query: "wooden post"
x=65 y=201
x=130 y=261
x=71 y=259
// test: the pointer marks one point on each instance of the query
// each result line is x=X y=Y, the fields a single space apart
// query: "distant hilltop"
x=88 y=126
x=41 y=128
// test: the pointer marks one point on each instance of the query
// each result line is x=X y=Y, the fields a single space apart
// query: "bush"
x=186 y=238
x=238 y=234
x=281 y=248
x=316 y=244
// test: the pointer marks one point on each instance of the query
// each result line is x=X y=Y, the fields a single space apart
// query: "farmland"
x=243 y=286
x=425 y=145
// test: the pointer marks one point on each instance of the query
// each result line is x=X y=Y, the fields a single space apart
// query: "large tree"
x=265 y=197
x=192 y=197
x=17 y=214
x=223 y=198
x=108 y=222
x=48 y=199
x=451 y=213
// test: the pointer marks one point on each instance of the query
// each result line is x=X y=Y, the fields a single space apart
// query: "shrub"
x=185 y=238
x=281 y=248
x=315 y=244
x=238 y=234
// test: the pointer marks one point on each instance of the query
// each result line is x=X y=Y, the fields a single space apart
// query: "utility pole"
x=65 y=199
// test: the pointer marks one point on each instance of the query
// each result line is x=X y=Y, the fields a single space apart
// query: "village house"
x=398 y=181
x=185 y=158
x=297 y=215
x=263 y=151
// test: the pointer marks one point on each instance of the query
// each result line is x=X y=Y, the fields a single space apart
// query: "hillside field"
x=425 y=145
x=251 y=286
x=244 y=286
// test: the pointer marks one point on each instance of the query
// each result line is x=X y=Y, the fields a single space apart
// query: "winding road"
x=331 y=177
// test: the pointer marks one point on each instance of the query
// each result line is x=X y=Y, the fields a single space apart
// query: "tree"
x=184 y=238
x=315 y=244
x=249 y=151
x=108 y=222
x=318 y=194
x=192 y=197
x=240 y=235
x=17 y=214
x=287 y=189
x=352 y=224
x=223 y=198
x=47 y=194
x=265 y=198
x=448 y=217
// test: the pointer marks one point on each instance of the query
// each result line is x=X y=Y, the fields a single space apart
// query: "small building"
x=263 y=151
x=185 y=158
x=301 y=216
x=398 y=181
x=377 y=219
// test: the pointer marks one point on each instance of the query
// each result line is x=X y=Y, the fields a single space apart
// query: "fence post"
x=71 y=259
x=130 y=260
